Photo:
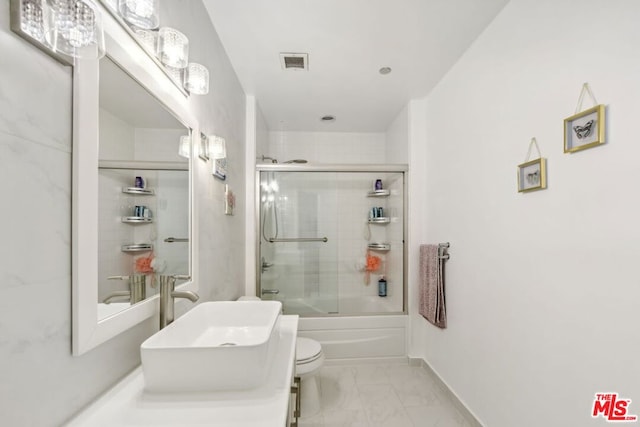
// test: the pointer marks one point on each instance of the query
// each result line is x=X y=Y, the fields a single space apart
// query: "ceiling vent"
x=294 y=61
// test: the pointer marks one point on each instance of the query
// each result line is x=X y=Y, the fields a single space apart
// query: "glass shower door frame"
x=372 y=168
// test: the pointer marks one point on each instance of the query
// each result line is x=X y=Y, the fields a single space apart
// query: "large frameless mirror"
x=132 y=209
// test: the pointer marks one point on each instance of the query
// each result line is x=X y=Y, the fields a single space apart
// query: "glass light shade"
x=31 y=19
x=140 y=13
x=175 y=74
x=184 y=149
x=173 y=48
x=74 y=28
x=147 y=38
x=218 y=147
x=196 y=79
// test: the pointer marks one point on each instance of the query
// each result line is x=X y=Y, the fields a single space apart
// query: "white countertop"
x=127 y=404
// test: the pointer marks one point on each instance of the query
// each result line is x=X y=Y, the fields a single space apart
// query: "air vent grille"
x=294 y=61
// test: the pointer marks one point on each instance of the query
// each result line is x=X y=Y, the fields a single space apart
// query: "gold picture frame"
x=532 y=175
x=585 y=129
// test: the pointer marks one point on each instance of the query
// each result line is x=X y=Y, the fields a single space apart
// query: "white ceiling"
x=348 y=41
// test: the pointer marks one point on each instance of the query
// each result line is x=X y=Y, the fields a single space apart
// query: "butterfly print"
x=584 y=131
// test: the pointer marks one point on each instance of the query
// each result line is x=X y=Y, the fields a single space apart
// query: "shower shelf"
x=139 y=191
x=378 y=193
x=379 y=246
x=136 y=220
x=379 y=220
x=141 y=247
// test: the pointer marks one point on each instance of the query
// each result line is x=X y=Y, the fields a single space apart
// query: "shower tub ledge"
x=357 y=337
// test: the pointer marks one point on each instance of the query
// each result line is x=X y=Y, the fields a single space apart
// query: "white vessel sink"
x=217 y=346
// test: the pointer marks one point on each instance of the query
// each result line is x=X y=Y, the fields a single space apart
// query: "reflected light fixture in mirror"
x=140 y=13
x=173 y=48
x=184 y=148
x=196 y=79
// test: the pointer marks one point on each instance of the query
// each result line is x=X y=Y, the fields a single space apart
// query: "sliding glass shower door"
x=298 y=241
x=328 y=237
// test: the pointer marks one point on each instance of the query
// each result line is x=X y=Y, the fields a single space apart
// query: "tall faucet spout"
x=191 y=296
x=167 y=296
x=116 y=294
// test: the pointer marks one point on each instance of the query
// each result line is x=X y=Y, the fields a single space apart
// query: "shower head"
x=300 y=161
x=263 y=158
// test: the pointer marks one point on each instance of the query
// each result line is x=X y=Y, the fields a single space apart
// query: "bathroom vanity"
x=268 y=405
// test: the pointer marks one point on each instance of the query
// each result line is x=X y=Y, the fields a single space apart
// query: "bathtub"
x=362 y=329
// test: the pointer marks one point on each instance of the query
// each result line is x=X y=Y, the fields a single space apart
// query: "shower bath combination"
x=313 y=227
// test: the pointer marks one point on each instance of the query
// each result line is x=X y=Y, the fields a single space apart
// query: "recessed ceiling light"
x=328 y=118
x=384 y=70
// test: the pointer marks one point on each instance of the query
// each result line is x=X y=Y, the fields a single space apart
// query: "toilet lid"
x=307 y=349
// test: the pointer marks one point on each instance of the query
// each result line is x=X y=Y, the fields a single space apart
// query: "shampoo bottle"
x=382 y=287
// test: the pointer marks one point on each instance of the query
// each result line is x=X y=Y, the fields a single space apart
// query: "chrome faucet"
x=168 y=294
x=266 y=265
x=137 y=289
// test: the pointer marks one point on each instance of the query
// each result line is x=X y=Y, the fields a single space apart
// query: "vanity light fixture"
x=218 y=147
x=73 y=28
x=173 y=48
x=140 y=13
x=196 y=79
x=64 y=29
x=148 y=38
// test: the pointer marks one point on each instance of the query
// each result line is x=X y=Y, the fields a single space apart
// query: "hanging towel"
x=432 y=305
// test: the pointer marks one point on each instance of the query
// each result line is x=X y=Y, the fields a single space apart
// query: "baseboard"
x=468 y=415
x=365 y=360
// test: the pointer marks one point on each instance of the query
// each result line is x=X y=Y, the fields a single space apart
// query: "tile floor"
x=377 y=395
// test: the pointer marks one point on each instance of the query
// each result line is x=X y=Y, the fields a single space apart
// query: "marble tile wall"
x=42 y=383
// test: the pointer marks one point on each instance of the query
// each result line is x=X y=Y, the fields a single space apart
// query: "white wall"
x=542 y=288
x=42 y=383
x=397 y=138
x=328 y=147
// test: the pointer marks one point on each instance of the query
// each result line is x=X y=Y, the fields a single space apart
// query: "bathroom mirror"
x=132 y=209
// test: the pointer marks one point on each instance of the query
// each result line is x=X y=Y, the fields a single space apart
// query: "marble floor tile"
x=346 y=418
x=435 y=416
x=382 y=395
x=382 y=406
x=371 y=374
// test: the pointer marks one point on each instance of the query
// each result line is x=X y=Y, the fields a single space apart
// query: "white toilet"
x=309 y=360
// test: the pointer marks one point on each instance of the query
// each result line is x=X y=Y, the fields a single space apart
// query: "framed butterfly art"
x=532 y=175
x=585 y=129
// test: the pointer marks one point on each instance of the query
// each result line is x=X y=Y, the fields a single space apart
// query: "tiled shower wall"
x=336 y=206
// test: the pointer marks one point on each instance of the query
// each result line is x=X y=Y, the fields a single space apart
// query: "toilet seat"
x=307 y=350
x=309 y=356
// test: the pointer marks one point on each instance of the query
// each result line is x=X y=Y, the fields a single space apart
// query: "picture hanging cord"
x=585 y=88
x=531 y=144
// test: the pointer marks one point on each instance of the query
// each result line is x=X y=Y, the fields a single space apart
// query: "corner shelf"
x=136 y=220
x=139 y=191
x=379 y=220
x=378 y=193
x=140 y=247
x=383 y=247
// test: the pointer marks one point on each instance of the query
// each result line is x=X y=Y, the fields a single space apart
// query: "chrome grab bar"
x=270 y=291
x=299 y=239
x=175 y=240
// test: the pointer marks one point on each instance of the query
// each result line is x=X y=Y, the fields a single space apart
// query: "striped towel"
x=432 y=305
